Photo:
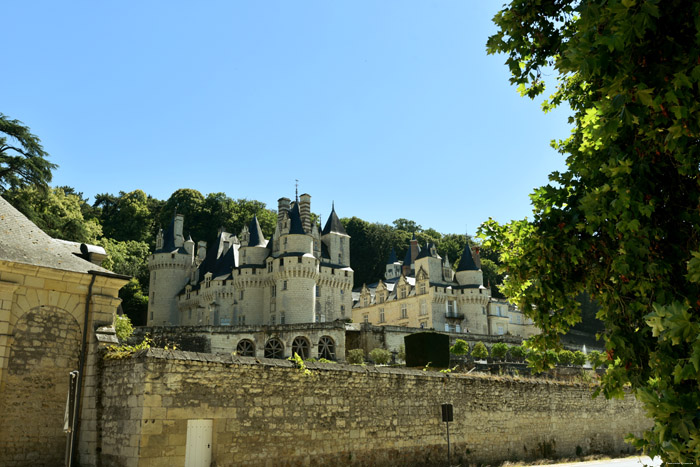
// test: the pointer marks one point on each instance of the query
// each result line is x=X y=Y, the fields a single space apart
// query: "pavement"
x=635 y=461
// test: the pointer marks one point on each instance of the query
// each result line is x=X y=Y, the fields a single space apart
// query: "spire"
x=466 y=262
x=392 y=257
x=407 y=258
x=256 y=236
x=295 y=226
x=333 y=224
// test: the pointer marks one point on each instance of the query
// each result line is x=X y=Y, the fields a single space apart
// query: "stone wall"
x=268 y=412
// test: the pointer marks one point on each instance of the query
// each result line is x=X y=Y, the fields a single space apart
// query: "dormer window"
x=207 y=281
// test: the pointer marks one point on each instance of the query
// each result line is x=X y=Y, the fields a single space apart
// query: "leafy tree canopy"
x=621 y=221
x=22 y=158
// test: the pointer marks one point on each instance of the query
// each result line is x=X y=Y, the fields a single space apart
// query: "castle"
x=423 y=291
x=301 y=275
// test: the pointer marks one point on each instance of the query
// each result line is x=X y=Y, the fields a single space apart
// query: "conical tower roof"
x=392 y=257
x=256 y=236
x=466 y=262
x=295 y=225
x=333 y=224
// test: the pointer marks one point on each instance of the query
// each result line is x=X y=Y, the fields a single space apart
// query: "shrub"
x=566 y=357
x=596 y=359
x=517 y=352
x=499 y=351
x=460 y=348
x=480 y=352
x=579 y=358
x=356 y=356
x=552 y=356
x=401 y=355
x=380 y=356
x=123 y=327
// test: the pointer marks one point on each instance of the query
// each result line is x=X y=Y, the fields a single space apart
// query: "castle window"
x=273 y=290
x=285 y=242
x=422 y=288
x=365 y=301
x=273 y=319
x=326 y=348
x=342 y=291
x=281 y=261
x=282 y=317
x=245 y=348
x=332 y=271
x=342 y=310
x=269 y=266
x=300 y=346
x=240 y=296
x=423 y=308
x=153 y=297
x=483 y=310
x=207 y=282
x=299 y=259
x=403 y=293
x=274 y=349
x=381 y=298
x=284 y=285
x=381 y=315
x=318 y=290
x=346 y=274
x=365 y=318
x=450 y=307
x=404 y=311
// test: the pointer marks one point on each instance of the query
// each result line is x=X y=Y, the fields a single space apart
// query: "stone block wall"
x=267 y=412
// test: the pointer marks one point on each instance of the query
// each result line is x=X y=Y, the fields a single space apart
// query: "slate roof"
x=333 y=224
x=295 y=226
x=256 y=236
x=466 y=263
x=169 y=241
x=219 y=262
x=21 y=241
x=392 y=257
x=407 y=258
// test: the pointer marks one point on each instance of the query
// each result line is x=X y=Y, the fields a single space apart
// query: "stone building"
x=55 y=310
x=300 y=275
x=423 y=291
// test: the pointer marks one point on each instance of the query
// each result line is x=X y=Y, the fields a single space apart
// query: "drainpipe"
x=83 y=360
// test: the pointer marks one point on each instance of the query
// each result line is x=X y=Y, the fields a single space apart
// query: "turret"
x=467 y=271
x=336 y=240
x=429 y=260
x=305 y=211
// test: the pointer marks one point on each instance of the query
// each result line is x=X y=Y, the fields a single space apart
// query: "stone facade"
x=423 y=291
x=301 y=275
x=268 y=412
x=48 y=299
x=317 y=340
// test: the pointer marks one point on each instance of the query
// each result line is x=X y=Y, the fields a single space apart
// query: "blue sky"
x=389 y=108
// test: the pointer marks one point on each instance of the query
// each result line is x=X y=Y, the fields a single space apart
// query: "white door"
x=198 y=450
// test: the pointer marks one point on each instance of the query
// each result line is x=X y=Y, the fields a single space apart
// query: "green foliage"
x=22 y=158
x=134 y=302
x=579 y=358
x=401 y=355
x=128 y=258
x=380 y=356
x=621 y=221
x=300 y=364
x=596 y=359
x=460 y=348
x=116 y=352
x=56 y=212
x=517 y=352
x=480 y=352
x=566 y=357
x=123 y=327
x=499 y=350
x=356 y=357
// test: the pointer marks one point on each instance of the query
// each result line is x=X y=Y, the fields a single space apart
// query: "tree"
x=499 y=350
x=56 y=212
x=22 y=158
x=460 y=348
x=126 y=217
x=621 y=221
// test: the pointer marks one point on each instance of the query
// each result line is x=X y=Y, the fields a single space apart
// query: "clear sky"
x=389 y=108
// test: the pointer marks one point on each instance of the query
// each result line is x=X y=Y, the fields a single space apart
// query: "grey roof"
x=333 y=224
x=219 y=261
x=256 y=236
x=169 y=241
x=21 y=241
x=407 y=258
x=392 y=257
x=295 y=226
x=466 y=262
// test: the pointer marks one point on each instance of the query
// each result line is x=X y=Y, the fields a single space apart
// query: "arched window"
x=326 y=348
x=300 y=346
x=274 y=349
x=245 y=348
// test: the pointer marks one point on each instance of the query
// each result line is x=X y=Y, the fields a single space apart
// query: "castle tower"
x=468 y=272
x=170 y=266
x=250 y=276
x=429 y=260
x=296 y=271
x=336 y=240
x=305 y=211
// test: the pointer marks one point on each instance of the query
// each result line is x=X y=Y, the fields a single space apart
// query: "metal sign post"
x=447 y=417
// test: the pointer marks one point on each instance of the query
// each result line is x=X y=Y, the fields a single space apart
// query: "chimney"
x=282 y=208
x=201 y=250
x=305 y=211
x=177 y=234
